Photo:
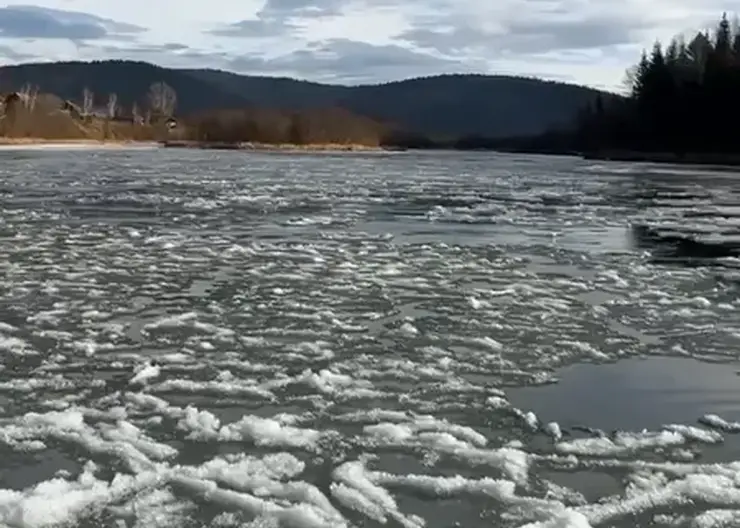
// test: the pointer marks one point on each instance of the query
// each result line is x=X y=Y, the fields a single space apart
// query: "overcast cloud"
x=353 y=41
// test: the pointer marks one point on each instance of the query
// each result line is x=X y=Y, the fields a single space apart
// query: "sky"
x=588 y=42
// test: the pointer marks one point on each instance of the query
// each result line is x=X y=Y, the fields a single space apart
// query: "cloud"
x=282 y=8
x=539 y=26
x=349 y=62
x=34 y=22
x=352 y=40
x=13 y=55
x=254 y=28
x=170 y=54
x=335 y=61
x=590 y=41
x=278 y=17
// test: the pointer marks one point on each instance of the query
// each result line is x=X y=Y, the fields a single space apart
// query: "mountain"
x=440 y=106
x=128 y=79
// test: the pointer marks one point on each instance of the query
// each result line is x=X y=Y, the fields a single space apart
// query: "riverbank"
x=9 y=142
x=601 y=155
x=313 y=147
x=695 y=158
x=664 y=157
x=69 y=143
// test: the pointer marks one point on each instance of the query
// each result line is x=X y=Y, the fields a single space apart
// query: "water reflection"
x=637 y=394
x=676 y=248
x=685 y=216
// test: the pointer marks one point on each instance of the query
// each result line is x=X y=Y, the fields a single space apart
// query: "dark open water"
x=226 y=339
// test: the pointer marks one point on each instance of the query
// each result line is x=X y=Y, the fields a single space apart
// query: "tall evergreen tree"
x=640 y=76
x=679 y=95
x=723 y=41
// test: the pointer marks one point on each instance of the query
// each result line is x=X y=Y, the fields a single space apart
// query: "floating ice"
x=329 y=341
x=712 y=420
x=145 y=373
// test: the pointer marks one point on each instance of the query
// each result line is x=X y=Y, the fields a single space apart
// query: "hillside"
x=30 y=115
x=129 y=80
x=46 y=116
x=443 y=106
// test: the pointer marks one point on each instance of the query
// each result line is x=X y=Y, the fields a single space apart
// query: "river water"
x=224 y=339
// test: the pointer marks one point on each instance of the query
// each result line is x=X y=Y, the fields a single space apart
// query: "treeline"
x=272 y=126
x=554 y=142
x=684 y=99
x=159 y=103
x=28 y=113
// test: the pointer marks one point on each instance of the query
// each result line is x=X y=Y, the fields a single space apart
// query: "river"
x=194 y=338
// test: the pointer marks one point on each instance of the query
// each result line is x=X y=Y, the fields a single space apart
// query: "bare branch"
x=112 y=106
x=630 y=78
x=162 y=100
x=24 y=94
x=170 y=101
x=155 y=97
x=33 y=97
x=87 y=102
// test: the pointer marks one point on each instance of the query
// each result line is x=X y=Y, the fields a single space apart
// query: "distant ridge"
x=443 y=106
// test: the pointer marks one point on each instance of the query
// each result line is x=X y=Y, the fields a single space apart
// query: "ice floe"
x=192 y=339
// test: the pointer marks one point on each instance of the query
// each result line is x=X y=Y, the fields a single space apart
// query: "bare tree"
x=156 y=97
x=112 y=106
x=170 y=103
x=162 y=99
x=87 y=102
x=135 y=114
x=32 y=98
x=25 y=95
x=630 y=79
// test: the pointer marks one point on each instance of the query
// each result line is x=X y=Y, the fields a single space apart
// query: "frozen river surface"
x=219 y=339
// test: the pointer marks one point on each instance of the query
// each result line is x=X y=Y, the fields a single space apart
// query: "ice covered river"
x=193 y=339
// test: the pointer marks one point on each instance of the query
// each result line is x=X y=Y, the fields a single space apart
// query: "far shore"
x=249 y=145
x=669 y=158
x=10 y=142
x=689 y=158
x=107 y=143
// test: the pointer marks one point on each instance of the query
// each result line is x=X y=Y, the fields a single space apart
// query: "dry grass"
x=286 y=147
x=311 y=146
x=265 y=126
x=46 y=121
x=122 y=143
x=249 y=129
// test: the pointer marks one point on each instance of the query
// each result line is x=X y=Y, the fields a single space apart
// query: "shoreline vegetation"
x=703 y=159
x=678 y=97
x=688 y=158
x=127 y=143
x=257 y=146
x=10 y=141
x=699 y=159
x=682 y=106
x=28 y=117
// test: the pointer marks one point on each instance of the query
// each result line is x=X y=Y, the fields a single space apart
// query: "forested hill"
x=683 y=105
x=441 y=106
x=682 y=94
